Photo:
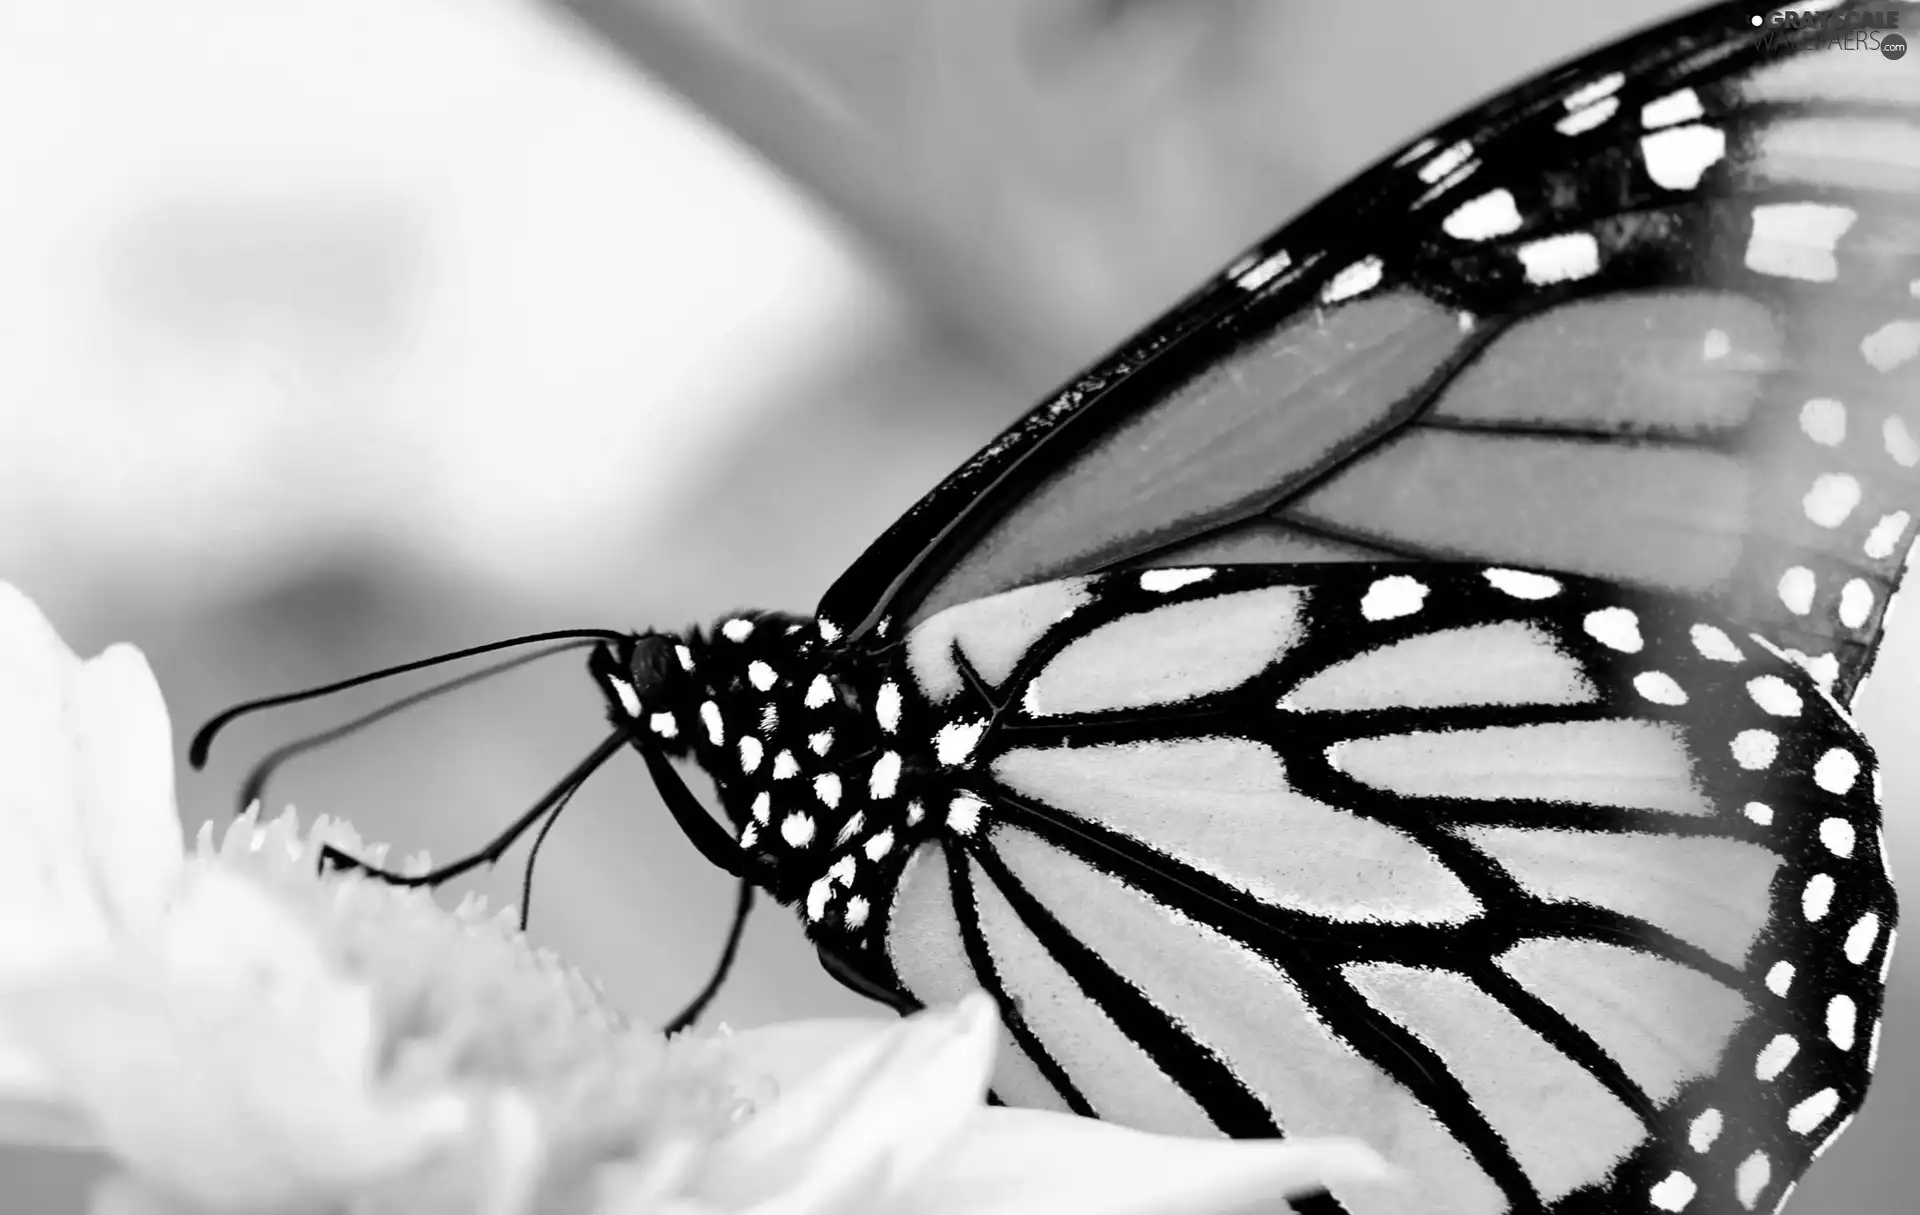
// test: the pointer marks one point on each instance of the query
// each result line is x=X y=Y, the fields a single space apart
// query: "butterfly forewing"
x=1650 y=318
x=1565 y=897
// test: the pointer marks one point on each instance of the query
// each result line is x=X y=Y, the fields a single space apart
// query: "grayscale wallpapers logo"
x=1858 y=30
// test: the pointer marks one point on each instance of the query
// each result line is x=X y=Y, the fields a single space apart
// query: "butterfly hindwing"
x=1563 y=896
x=1649 y=318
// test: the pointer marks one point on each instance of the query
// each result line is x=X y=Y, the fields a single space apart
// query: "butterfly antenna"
x=203 y=740
x=254 y=788
x=743 y=904
x=334 y=858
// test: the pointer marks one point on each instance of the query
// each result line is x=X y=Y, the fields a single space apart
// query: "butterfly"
x=1402 y=692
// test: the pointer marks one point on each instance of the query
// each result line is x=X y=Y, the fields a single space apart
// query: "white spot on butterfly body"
x=1660 y=688
x=829 y=631
x=963 y=814
x=1444 y=164
x=886 y=707
x=954 y=743
x=1775 y=1056
x=750 y=752
x=1617 y=628
x=1751 y=1178
x=1714 y=644
x=842 y=871
x=1682 y=105
x=1861 y=937
x=685 y=656
x=1796 y=240
x=857 y=909
x=1891 y=345
x=629 y=699
x=1796 y=590
x=1523 y=584
x=716 y=730
x=820 y=741
x=819 y=692
x=885 y=777
x=664 y=725
x=1362 y=276
x=1836 y=770
x=1393 y=597
x=880 y=844
x=818 y=896
x=1837 y=835
x=1775 y=695
x=1780 y=978
x=761 y=676
x=762 y=808
x=737 y=630
x=1806 y=1117
x=1832 y=499
x=1817 y=897
x=784 y=766
x=1856 y=603
x=850 y=828
x=749 y=835
x=826 y=787
x=1885 y=536
x=1560 y=259
x=1704 y=1130
x=1759 y=812
x=1755 y=749
x=1900 y=444
x=1491 y=214
x=1173 y=580
x=1673 y=1192
x=1678 y=157
x=797 y=829
x=1824 y=420
x=1841 y=1014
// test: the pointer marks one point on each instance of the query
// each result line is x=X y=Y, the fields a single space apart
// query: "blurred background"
x=334 y=335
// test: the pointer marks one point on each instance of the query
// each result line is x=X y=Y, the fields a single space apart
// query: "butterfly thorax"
x=794 y=732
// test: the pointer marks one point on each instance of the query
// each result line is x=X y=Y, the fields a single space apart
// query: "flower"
x=243 y=1033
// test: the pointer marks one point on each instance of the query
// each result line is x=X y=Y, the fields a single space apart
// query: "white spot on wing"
x=1780 y=978
x=1617 y=628
x=750 y=752
x=1589 y=117
x=1775 y=695
x=1836 y=770
x=1262 y=273
x=1714 y=644
x=1492 y=214
x=737 y=630
x=963 y=814
x=1704 y=1130
x=1796 y=240
x=1832 y=499
x=1445 y=163
x=1796 y=590
x=1841 y=1022
x=1362 y=276
x=1808 y=1115
x=716 y=730
x=760 y=675
x=1759 y=812
x=1861 y=938
x=1837 y=835
x=1677 y=157
x=797 y=829
x=1856 y=603
x=1817 y=898
x=1755 y=749
x=1900 y=444
x=1682 y=105
x=1560 y=259
x=1393 y=597
x=1775 y=1056
x=1751 y=1178
x=1824 y=420
x=1173 y=580
x=1673 y=1192
x=1885 y=536
x=1891 y=345
x=1660 y=688
x=1523 y=584
x=1595 y=90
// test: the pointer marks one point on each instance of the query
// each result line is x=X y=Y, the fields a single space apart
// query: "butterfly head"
x=645 y=678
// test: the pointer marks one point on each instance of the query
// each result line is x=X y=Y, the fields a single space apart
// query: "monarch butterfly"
x=1402 y=692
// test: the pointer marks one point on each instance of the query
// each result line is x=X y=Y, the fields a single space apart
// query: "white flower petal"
x=225 y=1060
x=123 y=776
x=1030 y=1162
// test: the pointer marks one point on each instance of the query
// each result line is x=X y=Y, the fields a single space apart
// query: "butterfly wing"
x=1650 y=318
x=1567 y=898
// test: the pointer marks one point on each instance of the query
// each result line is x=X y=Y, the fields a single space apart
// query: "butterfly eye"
x=653 y=665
